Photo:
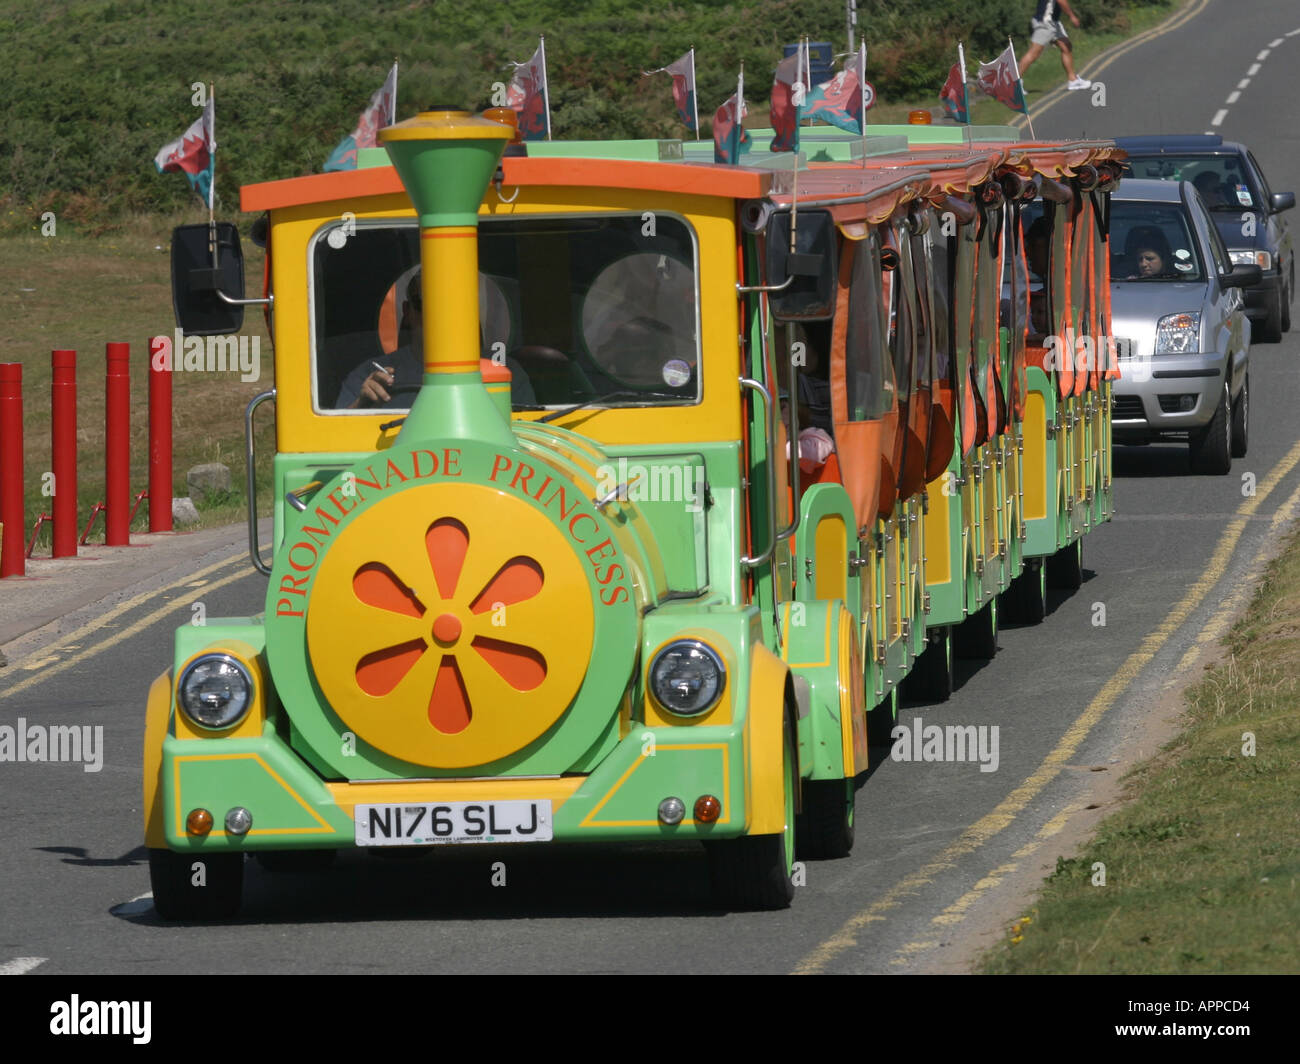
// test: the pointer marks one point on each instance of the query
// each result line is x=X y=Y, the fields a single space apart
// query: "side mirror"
x=199 y=270
x=1282 y=201
x=1245 y=276
x=810 y=296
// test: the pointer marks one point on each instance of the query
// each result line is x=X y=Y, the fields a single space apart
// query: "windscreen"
x=1221 y=180
x=1152 y=242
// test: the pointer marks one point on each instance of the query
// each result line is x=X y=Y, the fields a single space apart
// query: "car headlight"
x=1178 y=334
x=687 y=677
x=1262 y=259
x=215 y=691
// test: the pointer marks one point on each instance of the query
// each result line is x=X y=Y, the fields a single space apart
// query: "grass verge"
x=1202 y=864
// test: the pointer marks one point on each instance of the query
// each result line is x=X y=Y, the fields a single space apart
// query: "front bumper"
x=1180 y=396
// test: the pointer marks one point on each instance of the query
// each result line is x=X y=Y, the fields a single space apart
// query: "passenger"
x=1148 y=253
x=815 y=444
x=1038 y=241
x=641 y=354
x=392 y=383
x=1211 y=189
x=814 y=385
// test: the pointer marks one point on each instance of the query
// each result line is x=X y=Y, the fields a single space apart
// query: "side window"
x=868 y=371
x=1265 y=191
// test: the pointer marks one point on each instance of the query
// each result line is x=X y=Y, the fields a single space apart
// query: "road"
x=937 y=843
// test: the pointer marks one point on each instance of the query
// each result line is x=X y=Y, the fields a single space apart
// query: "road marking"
x=1243 y=83
x=1233 y=97
x=117 y=637
x=21 y=965
x=1274 y=44
x=1293 y=33
x=1005 y=813
x=1253 y=69
x=1219 y=116
x=1101 y=62
x=101 y=622
x=1263 y=55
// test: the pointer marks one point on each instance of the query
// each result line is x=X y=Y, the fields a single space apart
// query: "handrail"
x=254 y=550
x=762 y=559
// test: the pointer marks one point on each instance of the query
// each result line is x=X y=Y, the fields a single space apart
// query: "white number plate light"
x=438 y=823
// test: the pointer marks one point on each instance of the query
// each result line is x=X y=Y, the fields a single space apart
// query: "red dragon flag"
x=843 y=101
x=729 y=136
x=529 y=97
x=683 y=75
x=790 y=88
x=380 y=112
x=193 y=153
x=953 y=94
x=1001 y=80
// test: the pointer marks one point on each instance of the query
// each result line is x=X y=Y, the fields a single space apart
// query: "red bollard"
x=117 y=446
x=13 y=561
x=160 y=435
x=63 y=446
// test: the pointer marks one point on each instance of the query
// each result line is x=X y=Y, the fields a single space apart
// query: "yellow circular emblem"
x=451 y=625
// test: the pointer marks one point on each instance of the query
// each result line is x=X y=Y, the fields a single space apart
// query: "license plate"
x=433 y=824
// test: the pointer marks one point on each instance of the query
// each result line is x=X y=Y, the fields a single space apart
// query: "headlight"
x=1262 y=259
x=687 y=677
x=1178 y=334
x=215 y=691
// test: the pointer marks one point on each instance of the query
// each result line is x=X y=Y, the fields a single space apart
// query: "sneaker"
x=1078 y=83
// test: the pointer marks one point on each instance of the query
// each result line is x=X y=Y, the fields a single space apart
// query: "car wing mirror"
x=810 y=269
x=1244 y=276
x=207 y=260
x=1282 y=201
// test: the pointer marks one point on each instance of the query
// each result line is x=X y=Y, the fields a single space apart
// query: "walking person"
x=1046 y=28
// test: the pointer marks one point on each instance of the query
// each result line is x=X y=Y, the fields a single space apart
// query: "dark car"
x=1247 y=213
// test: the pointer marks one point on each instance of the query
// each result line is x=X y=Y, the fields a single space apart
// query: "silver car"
x=1178 y=315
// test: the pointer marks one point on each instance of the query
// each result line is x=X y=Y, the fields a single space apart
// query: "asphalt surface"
x=933 y=839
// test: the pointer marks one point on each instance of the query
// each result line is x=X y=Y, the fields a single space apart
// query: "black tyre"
x=1065 y=567
x=1270 y=329
x=1241 y=420
x=1210 y=450
x=1025 y=601
x=296 y=862
x=1286 y=302
x=977 y=635
x=933 y=678
x=757 y=871
x=825 y=826
x=880 y=722
x=193 y=886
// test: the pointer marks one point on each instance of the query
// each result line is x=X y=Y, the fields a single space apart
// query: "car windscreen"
x=1221 y=180
x=1153 y=242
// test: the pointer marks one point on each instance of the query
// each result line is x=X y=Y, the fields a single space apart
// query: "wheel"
x=1241 y=420
x=932 y=678
x=1026 y=599
x=757 y=871
x=1270 y=329
x=977 y=635
x=296 y=862
x=1210 y=450
x=1286 y=302
x=880 y=721
x=825 y=826
x=177 y=895
x=1065 y=567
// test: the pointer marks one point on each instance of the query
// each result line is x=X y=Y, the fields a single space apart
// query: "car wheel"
x=1287 y=296
x=1065 y=567
x=824 y=827
x=977 y=635
x=193 y=886
x=1270 y=329
x=1241 y=420
x=1210 y=449
x=932 y=678
x=1026 y=599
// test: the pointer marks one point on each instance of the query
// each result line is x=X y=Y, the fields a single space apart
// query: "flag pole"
x=546 y=86
x=695 y=94
x=965 y=97
x=1015 y=63
x=862 y=94
x=392 y=104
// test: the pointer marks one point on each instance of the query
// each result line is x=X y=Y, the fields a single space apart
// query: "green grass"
x=1203 y=864
x=72 y=291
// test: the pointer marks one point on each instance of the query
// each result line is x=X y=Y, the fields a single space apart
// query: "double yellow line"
x=47 y=662
x=1010 y=807
x=1100 y=62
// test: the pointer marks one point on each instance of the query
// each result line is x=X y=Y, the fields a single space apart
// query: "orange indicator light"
x=707 y=809
x=199 y=822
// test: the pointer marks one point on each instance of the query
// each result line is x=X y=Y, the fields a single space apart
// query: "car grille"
x=1127 y=408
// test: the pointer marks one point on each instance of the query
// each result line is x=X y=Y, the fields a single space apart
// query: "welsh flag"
x=843 y=100
x=789 y=91
x=380 y=112
x=193 y=154
x=527 y=95
x=953 y=93
x=683 y=75
x=729 y=136
x=1001 y=80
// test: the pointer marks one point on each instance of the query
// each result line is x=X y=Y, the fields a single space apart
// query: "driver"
x=638 y=352
x=375 y=385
